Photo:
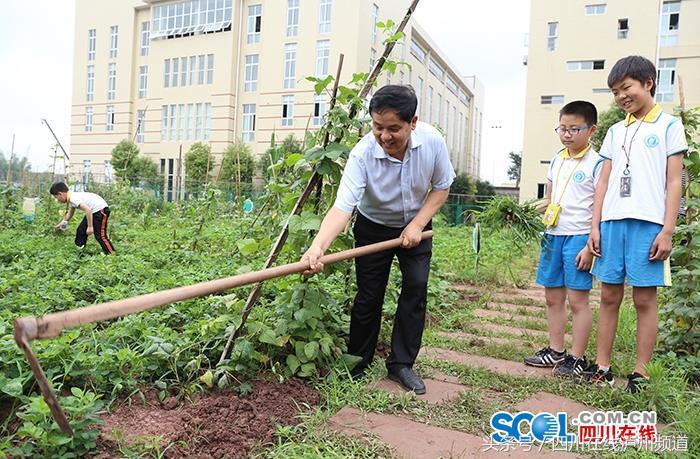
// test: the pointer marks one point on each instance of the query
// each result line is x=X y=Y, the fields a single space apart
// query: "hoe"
x=27 y=329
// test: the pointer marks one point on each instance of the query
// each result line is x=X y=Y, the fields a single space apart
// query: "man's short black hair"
x=582 y=108
x=397 y=98
x=57 y=188
x=636 y=67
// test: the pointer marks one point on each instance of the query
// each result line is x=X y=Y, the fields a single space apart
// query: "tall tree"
x=605 y=120
x=515 y=167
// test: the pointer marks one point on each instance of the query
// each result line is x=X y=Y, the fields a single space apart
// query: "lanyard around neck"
x=568 y=179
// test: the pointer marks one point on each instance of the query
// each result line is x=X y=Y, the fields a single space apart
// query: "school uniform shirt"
x=93 y=201
x=649 y=143
x=391 y=192
x=575 y=198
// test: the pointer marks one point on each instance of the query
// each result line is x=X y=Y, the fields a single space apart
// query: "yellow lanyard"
x=568 y=179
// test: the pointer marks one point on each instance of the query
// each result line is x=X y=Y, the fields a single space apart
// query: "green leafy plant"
x=129 y=165
x=199 y=162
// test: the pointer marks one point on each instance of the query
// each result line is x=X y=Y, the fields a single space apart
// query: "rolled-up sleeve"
x=352 y=184
x=444 y=173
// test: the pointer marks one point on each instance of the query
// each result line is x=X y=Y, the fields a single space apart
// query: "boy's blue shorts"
x=557 y=266
x=625 y=246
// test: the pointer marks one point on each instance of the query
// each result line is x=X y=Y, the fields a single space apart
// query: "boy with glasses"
x=634 y=217
x=564 y=258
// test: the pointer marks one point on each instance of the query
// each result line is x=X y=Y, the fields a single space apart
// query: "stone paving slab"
x=516 y=308
x=504 y=367
x=509 y=316
x=435 y=391
x=414 y=440
x=478 y=341
x=544 y=401
x=511 y=330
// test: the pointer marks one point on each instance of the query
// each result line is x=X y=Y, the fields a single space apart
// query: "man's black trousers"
x=372 y=273
x=99 y=225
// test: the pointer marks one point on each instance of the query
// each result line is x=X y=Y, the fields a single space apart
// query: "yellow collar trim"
x=566 y=155
x=650 y=117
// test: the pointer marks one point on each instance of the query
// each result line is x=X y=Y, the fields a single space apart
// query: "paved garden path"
x=508 y=318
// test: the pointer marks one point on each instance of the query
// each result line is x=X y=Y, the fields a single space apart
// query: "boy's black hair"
x=398 y=98
x=57 y=188
x=582 y=108
x=636 y=67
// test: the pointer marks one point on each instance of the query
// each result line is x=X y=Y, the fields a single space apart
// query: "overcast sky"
x=485 y=39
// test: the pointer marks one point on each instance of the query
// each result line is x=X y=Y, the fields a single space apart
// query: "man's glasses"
x=561 y=130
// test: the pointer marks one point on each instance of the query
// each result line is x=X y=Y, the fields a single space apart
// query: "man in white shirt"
x=398 y=176
x=95 y=220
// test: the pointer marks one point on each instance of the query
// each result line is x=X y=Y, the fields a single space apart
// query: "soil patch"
x=216 y=425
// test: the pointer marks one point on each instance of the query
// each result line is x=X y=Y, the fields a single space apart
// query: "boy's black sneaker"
x=598 y=376
x=571 y=367
x=545 y=358
x=635 y=382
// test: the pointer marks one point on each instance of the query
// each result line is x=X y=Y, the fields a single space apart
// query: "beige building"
x=170 y=73
x=574 y=44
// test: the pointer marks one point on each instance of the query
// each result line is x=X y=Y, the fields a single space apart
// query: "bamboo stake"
x=27 y=329
x=313 y=181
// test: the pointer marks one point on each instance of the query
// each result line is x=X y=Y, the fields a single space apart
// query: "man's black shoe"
x=408 y=379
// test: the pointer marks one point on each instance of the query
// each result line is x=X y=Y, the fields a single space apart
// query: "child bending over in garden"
x=634 y=217
x=96 y=215
x=564 y=258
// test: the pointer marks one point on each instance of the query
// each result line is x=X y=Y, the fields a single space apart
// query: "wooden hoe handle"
x=28 y=329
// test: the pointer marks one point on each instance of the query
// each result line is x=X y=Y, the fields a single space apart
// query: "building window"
x=200 y=69
x=419 y=94
x=92 y=37
x=290 y=64
x=140 y=122
x=372 y=58
x=113 y=34
x=323 y=51
x=601 y=91
x=436 y=69
x=254 y=23
x=430 y=104
x=552 y=35
x=292 y=18
x=108 y=171
x=248 y=130
x=175 y=71
x=287 y=110
x=670 y=18
x=666 y=80
x=418 y=51
x=375 y=19
x=438 y=109
x=454 y=127
x=164 y=123
x=88 y=119
x=447 y=120
x=145 y=37
x=319 y=109
x=143 y=81
x=189 y=124
x=183 y=71
x=541 y=190
x=166 y=73
x=251 y=73
x=592 y=10
x=623 y=28
x=551 y=100
x=171 y=123
x=112 y=81
x=190 y=17
x=401 y=77
x=210 y=68
x=451 y=85
x=86 y=170
x=90 y=92
x=110 y=118
x=193 y=67
x=199 y=113
x=181 y=121
x=324 y=16
x=585 y=65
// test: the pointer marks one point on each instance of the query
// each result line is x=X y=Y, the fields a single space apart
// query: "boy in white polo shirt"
x=96 y=215
x=564 y=258
x=636 y=205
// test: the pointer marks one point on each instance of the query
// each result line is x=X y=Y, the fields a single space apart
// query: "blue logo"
x=579 y=176
x=651 y=140
x=525 y=427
